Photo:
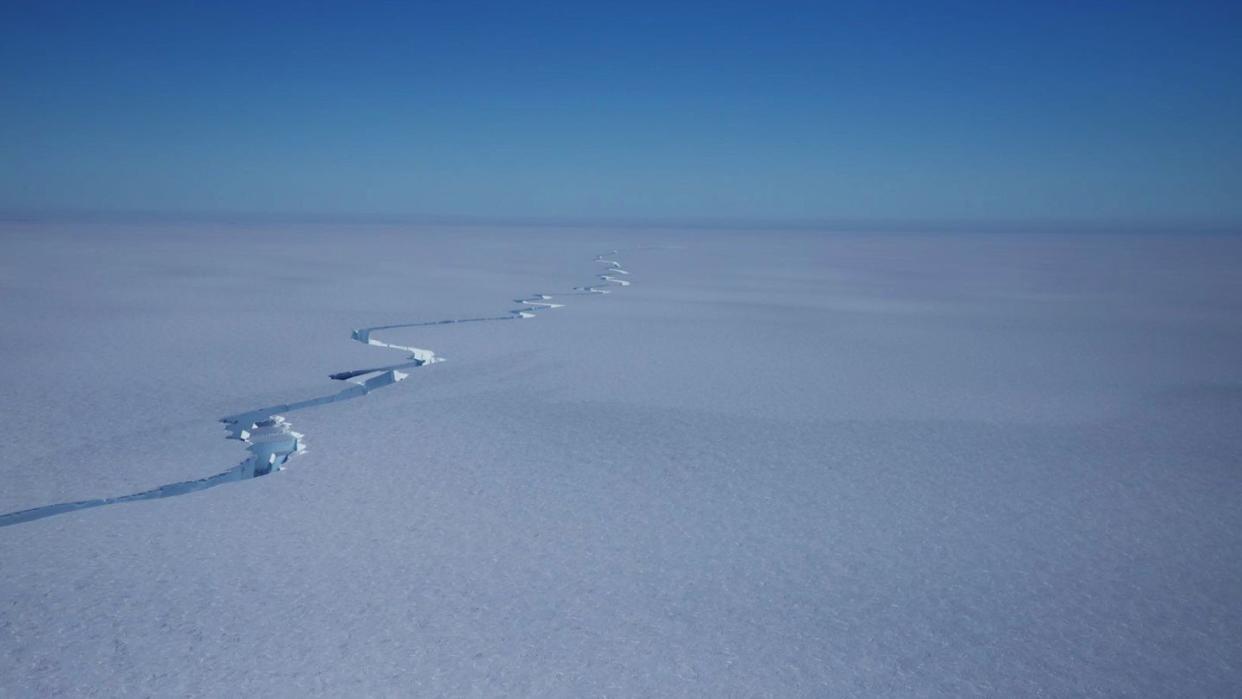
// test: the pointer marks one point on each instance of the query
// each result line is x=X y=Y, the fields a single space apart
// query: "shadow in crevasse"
x=270 y=442
x=267 y=435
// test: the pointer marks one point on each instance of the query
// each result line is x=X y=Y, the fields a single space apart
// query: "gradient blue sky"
x=920 y=111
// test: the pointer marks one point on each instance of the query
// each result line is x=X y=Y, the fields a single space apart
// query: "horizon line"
x=827 y=224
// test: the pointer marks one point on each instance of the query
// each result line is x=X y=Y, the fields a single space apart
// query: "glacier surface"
x=766 y=463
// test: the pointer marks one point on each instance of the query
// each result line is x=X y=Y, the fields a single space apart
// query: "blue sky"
x=869 y=111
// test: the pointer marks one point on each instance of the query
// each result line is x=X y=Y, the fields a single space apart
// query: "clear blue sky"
x=917 y=111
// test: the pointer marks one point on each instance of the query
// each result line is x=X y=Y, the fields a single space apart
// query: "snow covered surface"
x=767 y=463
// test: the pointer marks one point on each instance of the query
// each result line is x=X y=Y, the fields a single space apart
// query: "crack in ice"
x=269 y=437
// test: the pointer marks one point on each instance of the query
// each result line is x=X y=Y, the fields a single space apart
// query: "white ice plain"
x=771 y=463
